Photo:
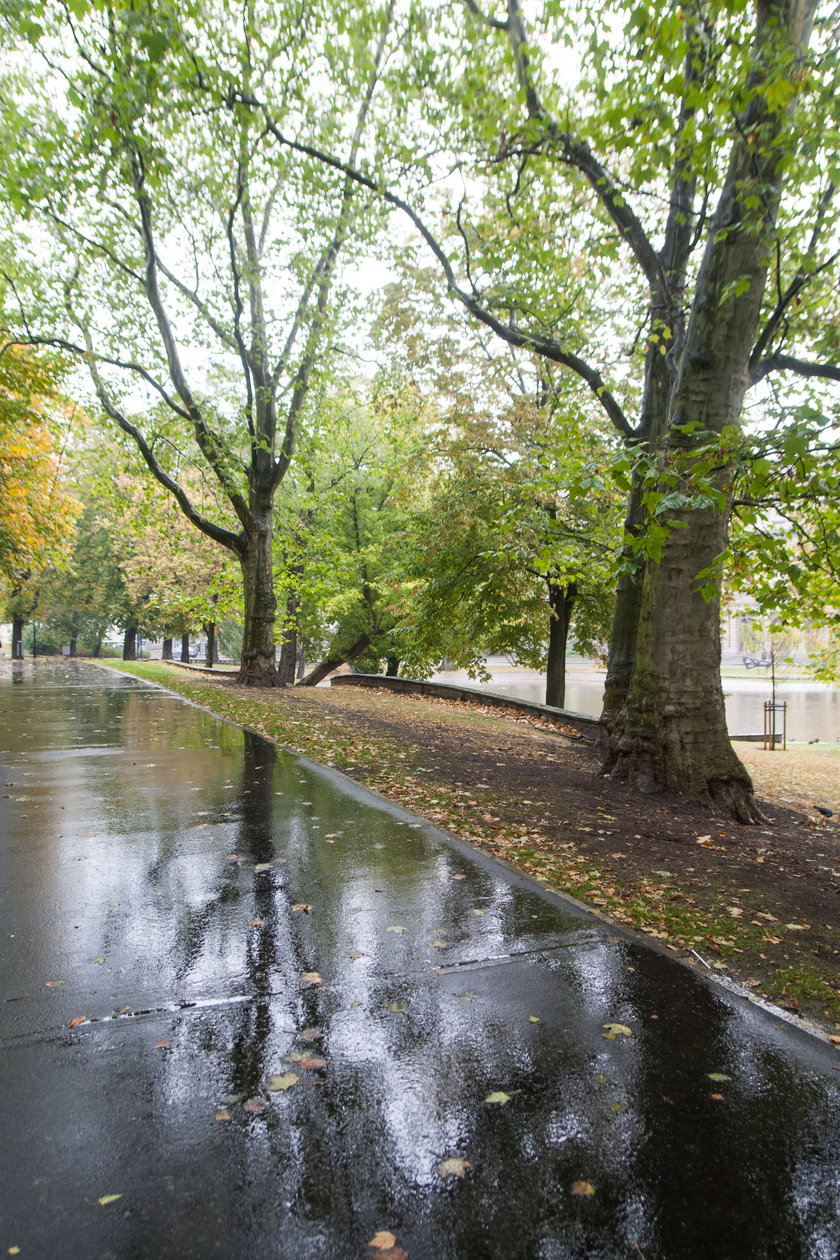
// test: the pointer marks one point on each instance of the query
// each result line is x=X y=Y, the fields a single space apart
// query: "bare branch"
x=789 y=363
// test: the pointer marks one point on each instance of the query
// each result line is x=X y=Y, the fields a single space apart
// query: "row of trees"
x=655 y=235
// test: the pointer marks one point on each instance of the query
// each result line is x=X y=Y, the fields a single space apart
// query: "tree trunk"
x=166 y=650
x=17 y=636
x=73 y=645
x=210 y=657
x=257 y=666
x=671 y=732
x=340 y=657
x=625 y=623
x=130 y=644
x=561 y=602
x=392 y=665
x=289 y=649
x=185 y=649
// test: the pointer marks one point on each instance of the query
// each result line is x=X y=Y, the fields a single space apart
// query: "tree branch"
x=510 y=333
x=789 y=363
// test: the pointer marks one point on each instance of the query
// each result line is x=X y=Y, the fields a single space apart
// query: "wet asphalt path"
x=301 y=1004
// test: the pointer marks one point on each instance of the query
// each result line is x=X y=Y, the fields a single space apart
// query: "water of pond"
x=300 y=1003
x=813 y=710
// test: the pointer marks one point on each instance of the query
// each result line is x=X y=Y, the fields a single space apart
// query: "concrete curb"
x=581 y=722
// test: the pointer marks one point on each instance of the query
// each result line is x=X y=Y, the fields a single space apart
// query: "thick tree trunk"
x=166 y=650
x=392 y=665
x=130 y=644
x=185 y=649
x=257 y=667
x=561 y=602
x=17 y=637
x=671 y=732
x=73 y=645
x=340 y=657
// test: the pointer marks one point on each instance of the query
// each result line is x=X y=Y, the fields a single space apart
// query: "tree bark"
x=17 y=636
x=210 y=656
x=130 y=643
x=73 y=645
x=258 y=667
x=392 y=665
x=166 y=650
x=185 y=649
x=340 y=657
x=561 y=602
x=671 y=730
x=289 y=649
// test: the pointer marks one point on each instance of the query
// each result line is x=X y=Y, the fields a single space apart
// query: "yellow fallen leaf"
x=498 y=1096
x=798 y=927
x=108 y=1198
x=221 y=1116
x=614 y=1030
x=582 y=1187
x=311 y=977
x=80 y=1019
x=285 y=1081
x=453 y=1168
x=383 y=1240
x=302 y=905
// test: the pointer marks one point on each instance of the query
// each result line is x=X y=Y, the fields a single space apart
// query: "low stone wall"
x=580 y=722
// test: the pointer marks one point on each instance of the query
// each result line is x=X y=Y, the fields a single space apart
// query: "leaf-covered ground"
x=759 y=904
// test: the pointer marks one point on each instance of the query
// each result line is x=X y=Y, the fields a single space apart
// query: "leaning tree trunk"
x=257 y=666
x=130 y=643
x=561 y=602
x=339 y=657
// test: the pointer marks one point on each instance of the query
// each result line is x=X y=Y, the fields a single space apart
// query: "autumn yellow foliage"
x=37 y=514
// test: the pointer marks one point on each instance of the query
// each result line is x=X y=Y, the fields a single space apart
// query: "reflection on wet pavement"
x=301 y=1003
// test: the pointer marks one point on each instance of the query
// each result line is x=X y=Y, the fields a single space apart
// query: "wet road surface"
x=302 y=1005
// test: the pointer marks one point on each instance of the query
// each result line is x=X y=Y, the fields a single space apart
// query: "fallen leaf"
x=53 y=984
x=162 y=1045
x=97 y=960
x=438 y=945
x=309 y=1034
x=312 y=1063
x=395 y=927
x=453 y=1168
x=469 y=996
x=835 y=1041
x=735 y=911
x=718 y=1076
x=221 y=1116
x=478 y=912
x=533 y=1019
x=798 y=927
x=276 y=1083
x=716 y=1097
x=614 y=1030
x=332 y=835
x=256 y=922
x=232 y=1098
x=582 y=1187
x=108 y=1198
x=701 y=839
x=459 y=877
x=302 y=905
x=255 y=1106
x=383 y=1240
x=80 y=1019
x=311 y=977
x=498 y=1096
x=14 y=1251
x=396 y=1008
x=354 y=953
